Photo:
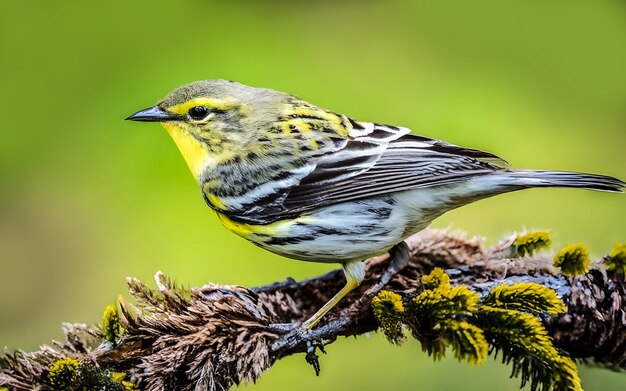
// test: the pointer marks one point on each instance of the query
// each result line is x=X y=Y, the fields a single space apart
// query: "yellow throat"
x=194 y=152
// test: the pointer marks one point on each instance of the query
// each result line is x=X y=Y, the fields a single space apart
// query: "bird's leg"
x=399 y=256
x=293 y=335
x=355 y=273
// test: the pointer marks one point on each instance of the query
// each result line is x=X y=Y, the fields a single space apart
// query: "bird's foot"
x=293 y=335
x=312 y=358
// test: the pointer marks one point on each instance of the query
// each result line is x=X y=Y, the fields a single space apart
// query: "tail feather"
x=541 y=178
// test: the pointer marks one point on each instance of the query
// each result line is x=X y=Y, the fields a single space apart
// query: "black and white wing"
x=374 y=160
x=380 y=159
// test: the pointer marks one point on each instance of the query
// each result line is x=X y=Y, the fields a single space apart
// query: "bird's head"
x=213 y=121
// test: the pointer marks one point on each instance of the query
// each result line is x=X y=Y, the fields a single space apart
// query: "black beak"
x=153 y=114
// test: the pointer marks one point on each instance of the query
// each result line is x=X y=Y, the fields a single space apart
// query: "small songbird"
x=313 y=185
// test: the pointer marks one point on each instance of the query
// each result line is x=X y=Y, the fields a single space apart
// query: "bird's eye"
x=198 y=112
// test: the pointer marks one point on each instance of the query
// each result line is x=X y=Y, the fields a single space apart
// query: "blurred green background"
x=87 y=199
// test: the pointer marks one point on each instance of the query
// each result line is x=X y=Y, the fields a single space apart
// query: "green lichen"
x=523 y=341
x=388 y=310
x=68 y=374
x=440 y=299
x=441 y=317
x=467 y=341
x=530 y=243
x=92 y=377
x=526 y=296
x=62 y=373
x=439 y=303
x=111 y=324
x=439 y=309
x=573 y=259
x=616 y=260
x=437 y=279
x=120 y=377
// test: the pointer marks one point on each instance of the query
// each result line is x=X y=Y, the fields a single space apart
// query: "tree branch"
x=216 y=336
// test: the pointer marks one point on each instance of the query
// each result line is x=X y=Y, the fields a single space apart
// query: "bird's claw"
x=312 y=358
x=292 y=335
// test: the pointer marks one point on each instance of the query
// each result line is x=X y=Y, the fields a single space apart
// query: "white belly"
x=360 y=229
x=350 y=231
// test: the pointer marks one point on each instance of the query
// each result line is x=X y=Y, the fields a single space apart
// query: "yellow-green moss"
x=438 y=299
x=526 y=296
x=443 y=302
x=616 y=260
x=111 y=324
x=439 y=310
x=120 y=377
x=441 y=316
x=530 y=242
x=62 y=373
x=437 y=279
x=388 y=310
x=573 y=259
x=468 y=341
x=524 y=342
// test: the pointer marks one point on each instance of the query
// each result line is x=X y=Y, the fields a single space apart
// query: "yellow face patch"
x=194 y=152
x=219 y=104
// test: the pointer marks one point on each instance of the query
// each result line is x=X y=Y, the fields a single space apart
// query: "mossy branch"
x=508 y=299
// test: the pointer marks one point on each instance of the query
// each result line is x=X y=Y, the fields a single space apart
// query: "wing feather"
x=376 y=160
x=390 y=160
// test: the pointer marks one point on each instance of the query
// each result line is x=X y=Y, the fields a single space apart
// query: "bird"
x=313 y=185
